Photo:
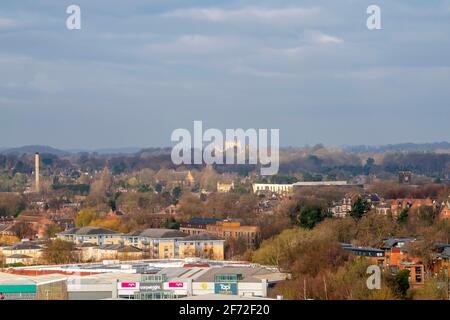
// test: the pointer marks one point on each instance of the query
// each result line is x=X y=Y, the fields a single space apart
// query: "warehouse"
x=99 y=286
x=45 y=287
x=162 y=279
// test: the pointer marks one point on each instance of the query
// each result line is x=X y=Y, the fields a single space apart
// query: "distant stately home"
x=153 y=243
x=342 y=207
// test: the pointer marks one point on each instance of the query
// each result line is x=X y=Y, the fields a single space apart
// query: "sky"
x=137 y=70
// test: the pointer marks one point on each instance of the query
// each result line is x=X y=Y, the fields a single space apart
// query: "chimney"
x=36 y=170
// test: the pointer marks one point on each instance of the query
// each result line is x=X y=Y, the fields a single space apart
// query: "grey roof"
x=134 y=234
x=362 y=249
x=19 y=256
x=161 y=234
x=374 y=197
x=204 y=221
x=120 y=248
x=5 y=227
x=24 y=246
x=446 y=252
x=392 y=242
x=201 y=236
x=85 y=231
x=248 y=273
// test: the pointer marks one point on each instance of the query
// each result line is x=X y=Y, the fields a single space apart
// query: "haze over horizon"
x=136 y=71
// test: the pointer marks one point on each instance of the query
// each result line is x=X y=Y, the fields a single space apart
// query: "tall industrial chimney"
x=36 y=170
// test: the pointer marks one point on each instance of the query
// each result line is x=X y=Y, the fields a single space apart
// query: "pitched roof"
x=19 y=256
x=83 y=231
x=203 y=221
x=120 y=248
x=392 y=242
x=446 y=252
x=161 y=234
x=25 y=246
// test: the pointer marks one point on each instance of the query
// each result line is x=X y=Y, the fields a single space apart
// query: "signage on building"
x=176 y=285
x=150 y=286
x=18 y=288
x=225 y=288
x=128 y=285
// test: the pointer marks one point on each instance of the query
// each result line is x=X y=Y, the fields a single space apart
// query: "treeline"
x=314 y=164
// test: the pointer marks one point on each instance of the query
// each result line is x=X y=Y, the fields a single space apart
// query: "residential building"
x=392 y=258
x=377 y=256
x=96 y=235
x=441 y=260
x=342 y=207
x=118 y=252
x=226 y=229
x=202 y=245
x=25 y=252
x=19 y=259
x=416 y=272
x=174 y=244
x=157 y=243
x=7 y=230
x=197 y=225
x=398 y=205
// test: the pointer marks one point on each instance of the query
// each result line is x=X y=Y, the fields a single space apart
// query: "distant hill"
x=411 y=147
x=33 y=149
x=125 y=150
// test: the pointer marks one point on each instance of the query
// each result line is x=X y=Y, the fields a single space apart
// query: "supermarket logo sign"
x=176 y=284
x=128 y=285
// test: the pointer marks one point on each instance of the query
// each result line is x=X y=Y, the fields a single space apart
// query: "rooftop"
x=19 y=256
x=160 y=234
x=83 y=231
x=202 y=221
x=120 y=248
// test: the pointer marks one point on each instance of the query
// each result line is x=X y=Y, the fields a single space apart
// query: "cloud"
x=7 y=23
x=290 y=15
x=322 y=38
x=309 y=45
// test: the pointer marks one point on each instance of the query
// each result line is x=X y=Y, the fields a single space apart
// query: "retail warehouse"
x=151 y=280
